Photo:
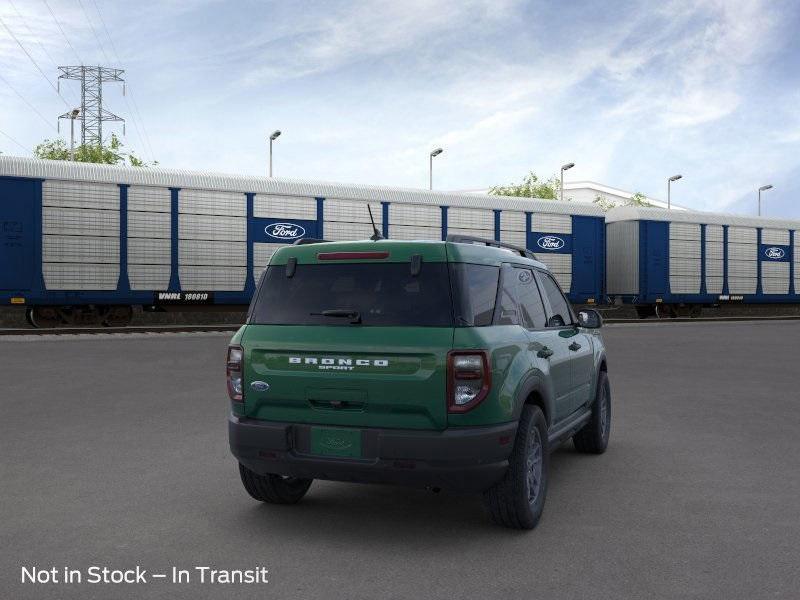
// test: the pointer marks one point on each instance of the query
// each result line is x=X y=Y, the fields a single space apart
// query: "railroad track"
x=109 y=330
x=232 y=328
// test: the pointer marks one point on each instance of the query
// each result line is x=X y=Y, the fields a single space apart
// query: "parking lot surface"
x=114 y=452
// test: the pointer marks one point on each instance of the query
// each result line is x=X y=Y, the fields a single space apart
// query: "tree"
x=606 y=203
x=111 y=154
x=531 y=187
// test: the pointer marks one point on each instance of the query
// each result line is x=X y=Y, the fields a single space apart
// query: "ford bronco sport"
x=456 y=364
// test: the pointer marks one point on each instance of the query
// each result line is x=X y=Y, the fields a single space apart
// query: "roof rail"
x=304 y=241
x=470 y=239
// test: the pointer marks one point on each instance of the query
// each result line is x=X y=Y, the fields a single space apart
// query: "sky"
x=631 y=92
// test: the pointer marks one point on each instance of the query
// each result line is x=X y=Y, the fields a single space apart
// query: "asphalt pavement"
x=114 y=453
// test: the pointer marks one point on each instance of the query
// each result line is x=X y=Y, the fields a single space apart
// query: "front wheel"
x=273 y=489
x=593 y=437
x=517 y=501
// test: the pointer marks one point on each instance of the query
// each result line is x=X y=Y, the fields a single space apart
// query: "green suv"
x=456 y=364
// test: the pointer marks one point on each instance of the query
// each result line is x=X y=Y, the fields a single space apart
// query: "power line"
x=134 y=113
x=96 y=37
x=33 y=36
x=35 y=64
x=15 y=141
x=66 y=39
x=32 y=107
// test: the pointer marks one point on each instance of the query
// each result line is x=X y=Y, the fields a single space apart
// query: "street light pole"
x=763 y=188
x=272 y=138
x=565 y=167
x=72 y=115
x=435 y=152
x=669 y=182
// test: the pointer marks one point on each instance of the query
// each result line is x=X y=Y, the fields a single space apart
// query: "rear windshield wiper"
x=341 y=313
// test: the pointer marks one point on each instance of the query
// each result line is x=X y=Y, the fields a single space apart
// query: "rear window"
x=383 y=294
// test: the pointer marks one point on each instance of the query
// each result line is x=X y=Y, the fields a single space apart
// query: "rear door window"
x=530 y=300
x=560 y=313
x=384 y=294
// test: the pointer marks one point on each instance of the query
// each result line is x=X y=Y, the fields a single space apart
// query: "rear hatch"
x=351 y=334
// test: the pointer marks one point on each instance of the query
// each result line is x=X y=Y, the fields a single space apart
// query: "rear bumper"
x=461 y=459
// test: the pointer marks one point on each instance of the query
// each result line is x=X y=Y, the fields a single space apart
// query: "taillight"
x=468 y=379
x=234 y=372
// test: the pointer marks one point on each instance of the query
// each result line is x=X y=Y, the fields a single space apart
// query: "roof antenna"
x=376 y=234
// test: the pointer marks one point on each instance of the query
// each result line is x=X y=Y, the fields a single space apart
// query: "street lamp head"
x=675 y=177
x=436 y=152
x=567 y=166
x=765 y=187
x=75 y=112
x=275 y=135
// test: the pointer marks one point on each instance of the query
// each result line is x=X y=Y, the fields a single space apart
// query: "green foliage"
x=111 y=154
x=606 y=203
x=531 y=187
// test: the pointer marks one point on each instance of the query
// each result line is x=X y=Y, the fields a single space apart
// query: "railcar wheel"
x=665 y=311
x=44 y=317
x=118 y=316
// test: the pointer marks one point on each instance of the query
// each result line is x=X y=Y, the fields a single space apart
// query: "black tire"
x=273 y=489
x=517 y=501
x=593 y=437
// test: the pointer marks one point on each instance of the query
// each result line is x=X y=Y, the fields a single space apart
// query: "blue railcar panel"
x=654 y=256
x=19 y=233
x=587 y=245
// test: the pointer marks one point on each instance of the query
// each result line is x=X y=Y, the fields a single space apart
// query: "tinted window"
x=560 y=314
x=474 y=292
x=530 y=301
x=508 y=313
x=382 y=294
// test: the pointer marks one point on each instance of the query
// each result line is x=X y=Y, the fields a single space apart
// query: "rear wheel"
x=593 y=437
x=517 y=501
x=274 y=489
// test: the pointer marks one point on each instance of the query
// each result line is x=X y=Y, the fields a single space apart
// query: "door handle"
x=574 y=346
x=545 y=352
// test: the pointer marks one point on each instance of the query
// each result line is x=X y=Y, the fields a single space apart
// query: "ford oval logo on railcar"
x=550 y=242
x=285 y=231
x=774 y=253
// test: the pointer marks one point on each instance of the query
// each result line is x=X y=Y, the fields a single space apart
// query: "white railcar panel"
x=80 y=276
x=518 y=238
x=351 y=211
x=209 y=227
x=742 y=285
x=285 y=207
x=80 y=194
x=715 y=233
x=715 y=267
x=560 y=265
x=148 y=251
x=411 y=232
x=715 y=250
x=149 y=225
x=203 y=252
x=684 y=231
x=262 y=253
x=207 y=202
x=481 y=233
x=77 y=221
x=415 y=214
x=796 y=252
x=775 y=277
x=470 y=218
x=551 y=223
x=714 y=285
x=622 y=257
x=149 y=277
x=775 y=236
x=684 y=266
x=742 y=235
x=74 y=248
x=207 y=278
x=743 y=252
x=742 y=268
x=149 y=199
x=512 y=220
x=685 y=284
x=336 y=231
x=684 y=248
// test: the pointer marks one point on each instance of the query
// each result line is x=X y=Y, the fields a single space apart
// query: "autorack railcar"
x=85 y=243
x=672 y=263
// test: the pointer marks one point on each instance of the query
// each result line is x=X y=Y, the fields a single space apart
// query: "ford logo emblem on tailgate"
x=285 y=231
x=550 y=242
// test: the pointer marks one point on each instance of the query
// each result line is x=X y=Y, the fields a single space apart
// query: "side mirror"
x=590 y=319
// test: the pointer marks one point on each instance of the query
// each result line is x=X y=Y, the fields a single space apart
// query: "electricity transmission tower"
x=92 y=114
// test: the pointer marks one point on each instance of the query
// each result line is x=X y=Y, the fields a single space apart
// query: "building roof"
x=156 y=176
x=635 y=213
